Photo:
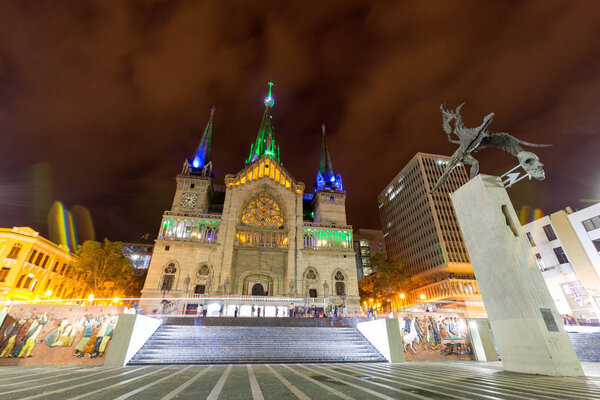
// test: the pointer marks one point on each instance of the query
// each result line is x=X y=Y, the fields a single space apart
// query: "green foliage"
x=391 y=276
x=104 y=270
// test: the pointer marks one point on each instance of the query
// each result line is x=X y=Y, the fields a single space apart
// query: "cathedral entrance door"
x=258 y=290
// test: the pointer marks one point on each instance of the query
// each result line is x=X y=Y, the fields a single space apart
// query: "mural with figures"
x=435 y=336
x=57 y=334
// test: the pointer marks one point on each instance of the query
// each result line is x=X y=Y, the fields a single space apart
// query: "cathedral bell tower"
x=329 y=201
x=194 y=184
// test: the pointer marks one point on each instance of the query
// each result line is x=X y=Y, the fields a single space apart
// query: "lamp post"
x=402 y=297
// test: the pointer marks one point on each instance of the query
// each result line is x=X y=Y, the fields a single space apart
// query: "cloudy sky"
x=101 y=101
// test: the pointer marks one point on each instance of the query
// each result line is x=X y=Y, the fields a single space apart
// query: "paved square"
x=418 y=380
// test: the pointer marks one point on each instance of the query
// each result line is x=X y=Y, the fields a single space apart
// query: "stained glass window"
x=263 y=211
x=310 y=274
x=203 y=270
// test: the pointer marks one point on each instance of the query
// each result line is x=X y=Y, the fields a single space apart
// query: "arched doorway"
x=258 y=289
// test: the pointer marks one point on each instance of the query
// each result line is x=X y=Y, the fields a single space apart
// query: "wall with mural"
x=434 y=336
x=47 y=334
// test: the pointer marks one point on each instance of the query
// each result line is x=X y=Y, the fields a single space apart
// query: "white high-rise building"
x=567 y=245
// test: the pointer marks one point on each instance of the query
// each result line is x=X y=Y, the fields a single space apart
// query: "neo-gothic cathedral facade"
x=260 y=239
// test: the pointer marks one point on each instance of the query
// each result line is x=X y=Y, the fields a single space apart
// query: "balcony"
x=327 y=237
x=448 y=289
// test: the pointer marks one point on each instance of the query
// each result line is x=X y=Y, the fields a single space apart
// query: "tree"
x=391 y=277
x=103 y=269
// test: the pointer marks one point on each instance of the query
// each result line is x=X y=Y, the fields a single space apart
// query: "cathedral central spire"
x=265 y=140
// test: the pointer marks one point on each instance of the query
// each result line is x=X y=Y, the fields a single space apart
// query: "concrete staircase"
x=193 y=344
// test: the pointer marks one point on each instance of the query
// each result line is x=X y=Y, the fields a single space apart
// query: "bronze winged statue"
x=471 y=140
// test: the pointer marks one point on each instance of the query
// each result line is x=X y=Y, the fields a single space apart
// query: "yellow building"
x=34 y=268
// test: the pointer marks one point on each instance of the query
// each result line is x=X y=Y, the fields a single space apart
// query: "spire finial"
x=269 y=100
x=323 y=128
x=212 y=111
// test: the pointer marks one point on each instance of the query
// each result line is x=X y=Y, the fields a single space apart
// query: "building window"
x=560 y=254
x=55 y=267
x=531 y=241
x=592 y=223
x=168 y=277
x=38 y=260
x=340 y=286
x=167 y=248
x=263 y=212
x=4 y=273
x=14 y=252
x=204 y=270
x=597 y=244
x=311 y=275
x=549 y=232
x=33 y=253
x=540 y=262
x=45 y=261
x=18 y=285
x=312 y=293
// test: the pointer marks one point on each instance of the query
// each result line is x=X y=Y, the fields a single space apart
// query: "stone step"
x=189 y=344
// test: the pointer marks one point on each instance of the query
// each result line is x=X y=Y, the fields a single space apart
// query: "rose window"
x=263 y=211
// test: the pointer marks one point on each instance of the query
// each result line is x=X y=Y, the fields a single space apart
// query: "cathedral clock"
x=189 y=199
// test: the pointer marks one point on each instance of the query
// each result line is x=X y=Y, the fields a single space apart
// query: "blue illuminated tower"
x=194 y=184
x=329 y=200
x=326 y=178
x=201 y=164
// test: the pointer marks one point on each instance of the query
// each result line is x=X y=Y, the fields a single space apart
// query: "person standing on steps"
x=253 y=310
x=291 y=310
x=204 y=310
x=258 y=312
x=235 y=313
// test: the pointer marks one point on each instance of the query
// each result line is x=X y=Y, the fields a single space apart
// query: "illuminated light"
x=332 y=179
x=402 y=296
x=30 y=275
x=48 y=293
x=91 y=297
x=196 y=163
x=269 y=100
x=422 y=296
x=115 y=300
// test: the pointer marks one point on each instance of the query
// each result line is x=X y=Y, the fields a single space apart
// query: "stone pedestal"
x=527 y=328
x=384 y=335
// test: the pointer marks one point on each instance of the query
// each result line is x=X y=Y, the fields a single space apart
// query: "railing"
x=262 y=238
x=334 y=226
x=192 y=214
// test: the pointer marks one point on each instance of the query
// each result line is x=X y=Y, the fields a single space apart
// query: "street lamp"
x=402 y=297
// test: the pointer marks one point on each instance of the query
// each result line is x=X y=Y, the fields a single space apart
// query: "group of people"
x=293 y=311
x=19 y=337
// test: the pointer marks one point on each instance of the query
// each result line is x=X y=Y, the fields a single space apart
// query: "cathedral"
x=258 y=241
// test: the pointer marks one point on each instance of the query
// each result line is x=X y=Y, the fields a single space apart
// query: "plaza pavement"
x=415 y=380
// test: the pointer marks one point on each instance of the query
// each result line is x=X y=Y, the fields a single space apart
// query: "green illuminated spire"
x=325 y=165
x=265 y=140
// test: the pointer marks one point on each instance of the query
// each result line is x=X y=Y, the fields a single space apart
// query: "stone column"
x=526 y=325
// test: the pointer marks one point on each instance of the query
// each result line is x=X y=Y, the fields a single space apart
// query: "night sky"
x=101 y=101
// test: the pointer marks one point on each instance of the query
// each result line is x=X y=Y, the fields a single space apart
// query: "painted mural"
x=435 y=336
x=57 y=334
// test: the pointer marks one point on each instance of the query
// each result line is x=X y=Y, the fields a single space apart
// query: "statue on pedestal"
x=471 y=140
